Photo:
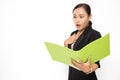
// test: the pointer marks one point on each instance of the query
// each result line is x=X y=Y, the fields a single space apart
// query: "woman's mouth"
x=78 y=25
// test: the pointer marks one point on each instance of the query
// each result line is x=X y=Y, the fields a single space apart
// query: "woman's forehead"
x=80 y=11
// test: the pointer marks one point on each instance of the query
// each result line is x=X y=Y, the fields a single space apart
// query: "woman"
x=78 y=39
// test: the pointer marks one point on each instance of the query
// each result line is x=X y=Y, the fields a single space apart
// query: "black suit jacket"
x=85 y=38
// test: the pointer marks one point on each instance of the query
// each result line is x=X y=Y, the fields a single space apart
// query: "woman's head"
x=81 y=16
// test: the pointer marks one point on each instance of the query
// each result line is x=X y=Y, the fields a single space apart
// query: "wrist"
x=91 y=70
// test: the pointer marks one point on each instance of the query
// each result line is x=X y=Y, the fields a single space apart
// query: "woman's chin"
x=78 y=29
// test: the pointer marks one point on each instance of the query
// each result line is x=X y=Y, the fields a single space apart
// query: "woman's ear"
x=90 y=17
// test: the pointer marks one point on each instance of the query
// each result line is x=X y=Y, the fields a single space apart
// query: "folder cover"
x=96 y=50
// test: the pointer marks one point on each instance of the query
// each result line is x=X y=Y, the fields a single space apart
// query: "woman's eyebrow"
x=78 y=14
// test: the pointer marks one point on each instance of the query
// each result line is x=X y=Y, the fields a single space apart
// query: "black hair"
x=85 y=6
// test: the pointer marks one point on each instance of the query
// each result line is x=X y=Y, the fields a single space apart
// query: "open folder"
x=96 y=50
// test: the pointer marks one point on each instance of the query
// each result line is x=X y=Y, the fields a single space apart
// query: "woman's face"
x=80 y=18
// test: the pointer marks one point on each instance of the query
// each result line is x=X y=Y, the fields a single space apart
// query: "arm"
x=85 y=67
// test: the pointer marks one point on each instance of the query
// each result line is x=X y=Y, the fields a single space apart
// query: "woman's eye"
x=81 y=16
x=74 y=16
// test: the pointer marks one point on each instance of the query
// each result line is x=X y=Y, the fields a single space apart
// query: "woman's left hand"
x=85 y=67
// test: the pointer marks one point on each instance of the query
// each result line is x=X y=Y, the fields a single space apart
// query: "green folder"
x=96 y=50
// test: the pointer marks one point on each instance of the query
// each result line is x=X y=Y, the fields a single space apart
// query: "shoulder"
x=74 y=32
x=94 y=32
x=93 y=35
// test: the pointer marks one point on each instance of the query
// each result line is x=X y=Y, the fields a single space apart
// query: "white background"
x=26 y=24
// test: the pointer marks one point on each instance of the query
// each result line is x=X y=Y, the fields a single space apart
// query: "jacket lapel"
x=81 y=38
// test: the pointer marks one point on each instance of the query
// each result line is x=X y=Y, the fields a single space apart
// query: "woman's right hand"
x=70 y=40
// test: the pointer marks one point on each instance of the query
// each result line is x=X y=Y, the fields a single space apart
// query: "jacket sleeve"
x=93 y=37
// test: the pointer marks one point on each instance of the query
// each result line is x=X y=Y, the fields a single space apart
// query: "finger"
x=89 y=59
x=76 y=64
x=79 y=60
x=73 y=62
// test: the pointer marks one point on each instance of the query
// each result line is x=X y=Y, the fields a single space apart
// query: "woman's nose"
x=77 y=20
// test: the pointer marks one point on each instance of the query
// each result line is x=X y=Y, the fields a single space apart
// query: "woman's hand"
x=85 y=67
x=70 y=40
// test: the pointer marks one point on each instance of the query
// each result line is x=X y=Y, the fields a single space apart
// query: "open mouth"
x=78 y=25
